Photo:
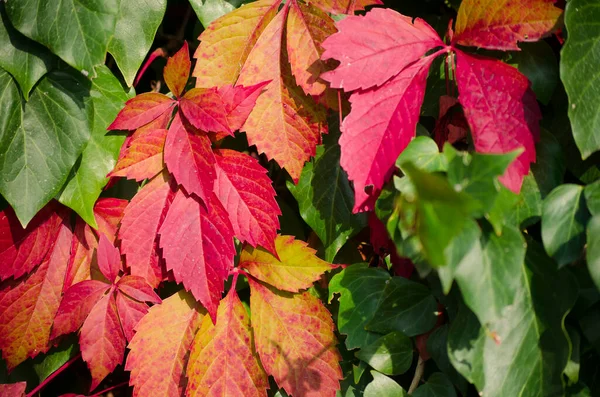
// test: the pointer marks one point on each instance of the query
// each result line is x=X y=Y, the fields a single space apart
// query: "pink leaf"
x=130 y=313
x=137 y=288
x=376 y=47
x=13 y=389
x=239 y=102
x=141 y=110
x=381 y=124
x=245 y=191
x=197 y=244
x=108 y=212
x=501 y=110
x=205 y=110
x=177 y=71
x=109 y=259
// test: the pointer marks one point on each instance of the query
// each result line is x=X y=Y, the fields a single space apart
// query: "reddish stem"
x=53 y=375
x=159 y=52
x=446 y=70
x=109 y=389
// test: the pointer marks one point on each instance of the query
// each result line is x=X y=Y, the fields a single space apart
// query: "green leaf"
x=383 y=386
x=538 y=62
x=438 y=385
x=579 y=59
x=45 y=365
x=528 y=208
x=40 y=144
x=592 y=197
x=391 y=354
x=209 y=10
x=523 y=352
x=572 y=369
x=437 y=346
x=361 y=290
x=325 y=198
x=424 y=154
x=564 y=218
x=78 y=31
x=549 y=167
x=134 y=33
x=593 y=249
x=406 y=306
x=88 y=177
x=26 y=60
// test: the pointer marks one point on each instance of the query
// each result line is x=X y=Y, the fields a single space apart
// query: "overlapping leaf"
x=344 y=6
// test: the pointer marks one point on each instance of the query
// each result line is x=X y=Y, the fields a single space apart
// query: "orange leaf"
x=28 y=306
x=294 y=338
x=143 y=158
x=297 y=268
x=500 y=24
x=83 y=246
x=222 y=361
x=307 y=28
x=177 y=71
x=285 y=124
x=160 y=347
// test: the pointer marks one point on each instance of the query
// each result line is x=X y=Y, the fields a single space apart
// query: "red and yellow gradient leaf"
x=137 y=288
x=381 y=124
x=293 y=335
x=143 y=158
x=138 y=233
x=239 y=102
x=21 y=250
x=108 y=212
x=307 y=28
x=245 y=190
x=141 y=110
x=109 y=259
x=501 y=24
x=197 y=244
x=376 y=47
x=189 y=157
x=102 y=340
x=227 y=41
x=160 y=346
x=501 y=110
x=83 y=245
x=177 y=70
x=130 y=313
x=28 y=306
x=297 y=268
x=285 y=124
x=222 y=360
x=344 y=6
x=205 y=110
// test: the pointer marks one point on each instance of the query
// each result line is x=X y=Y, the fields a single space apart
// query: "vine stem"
x=126 y=383
x=418 y=375
x=53 y=375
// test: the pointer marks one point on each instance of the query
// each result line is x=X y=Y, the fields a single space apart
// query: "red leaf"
x=142 y=219
x=205 y=110
x=75 y=306
x=130 y=313
x=108 y=212
x=143 y=158
x=239 y=102
x=21 y=250
x=501 y=110
x=344 y=6
x=28 y=306
x=501 y=24
x=197 y=244
x=376 y=47
x=137 y=288
x=245 y=190
x=141 y=110
x=381 y=124
x=177 y=71
x=13 y=389
x=109 y=259
x=101 y=340
x=190 y=159
x=83 y=245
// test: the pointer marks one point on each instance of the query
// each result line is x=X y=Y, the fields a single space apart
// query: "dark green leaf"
x=572 y=368
x=209 y=10
x=538 y=62
x=406 y=306
x=564 y=218
x=37 y=152
x=592 y=197
x=423 y=153
x=593 y=249
x=437 y=346
x=361 y=290
x=78 y=31
x=99 y=156
x=528 y=208
x=579 y=62
x=438 y=385
x=134 y=33
x=391 y=354
x=549 y=167
x=383 y=386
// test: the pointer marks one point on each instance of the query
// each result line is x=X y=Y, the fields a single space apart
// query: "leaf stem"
x=53 y=375
x=126 y=383
x=418 y=375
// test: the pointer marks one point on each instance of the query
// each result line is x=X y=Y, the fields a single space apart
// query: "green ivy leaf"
x=383 y=386
x=88 y=177
x=134 y=33
x=549 y=167
x=325 y=198
x=391 y=354
x=578 y=71
x=424 y=154
x=593 y=249
x=40 y=144
x=45 y=365
x=528 y=208
x=538 y=62
x=564 y=218
x=26 y=60
x=78 y=31
x=361 y=290
x=438 y=385
x=592 y=197
x=209 y=10
x=406 y=306
x=437 y=346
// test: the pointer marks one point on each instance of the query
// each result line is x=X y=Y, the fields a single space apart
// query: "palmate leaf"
x=344 y=6
x=177 y=71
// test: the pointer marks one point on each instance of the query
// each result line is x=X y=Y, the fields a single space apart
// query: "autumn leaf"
x=500 y=25
x=222 y=359
x=344 y=6
x=141 y=110
x=294 y=338
x=109 y=259
x=197 y=244
x=245 y=190
x=177 y=70
x=297 y=267
x=108 y=212
x=28 y=306
x=13 y=389
x=130 y=313
x=159 y=349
